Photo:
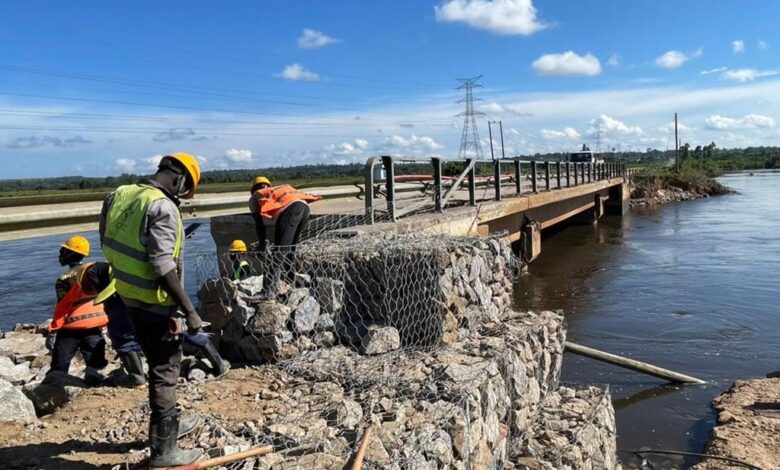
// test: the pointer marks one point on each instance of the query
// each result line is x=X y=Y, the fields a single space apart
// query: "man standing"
x=142 y=237
x=77 y=322
x=285 y=205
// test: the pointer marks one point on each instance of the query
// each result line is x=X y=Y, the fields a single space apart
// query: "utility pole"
x=598 y=142
x=490 y=133
x=676 y=147
x=490 y=137
x=501 y=129
x=470 y=137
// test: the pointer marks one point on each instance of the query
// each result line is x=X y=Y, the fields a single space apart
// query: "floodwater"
x=692 y=287
x=28 y=269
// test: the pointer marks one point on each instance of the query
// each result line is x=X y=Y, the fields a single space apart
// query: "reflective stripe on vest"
x=76 y=310
x=274 y=199
x=242 y=271
x=123 y=247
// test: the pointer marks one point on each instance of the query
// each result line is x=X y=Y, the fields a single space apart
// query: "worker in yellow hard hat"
x=287 y=207
x=76 y=323
x=240 y=267
x=142 y=237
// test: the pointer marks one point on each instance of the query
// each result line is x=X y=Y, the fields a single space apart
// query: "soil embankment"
x=748 y=427
x=649 y=190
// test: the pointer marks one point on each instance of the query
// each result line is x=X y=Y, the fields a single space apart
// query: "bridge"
x=399 y=195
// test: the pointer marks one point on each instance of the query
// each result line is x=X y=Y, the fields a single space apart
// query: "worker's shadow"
x=55 y=456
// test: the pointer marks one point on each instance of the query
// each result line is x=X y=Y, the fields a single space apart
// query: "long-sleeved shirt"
x=159 y=234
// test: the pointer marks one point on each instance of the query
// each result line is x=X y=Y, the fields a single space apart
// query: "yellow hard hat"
x=193 y=170
x=238 y=246
x=260 y=180
x=77 y=244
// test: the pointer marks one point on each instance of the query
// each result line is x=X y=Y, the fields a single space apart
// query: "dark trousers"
x=163 y=357
x=119 y=328
x=290 y=223
x=89 y=341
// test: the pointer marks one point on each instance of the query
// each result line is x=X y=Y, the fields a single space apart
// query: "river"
x=692 y=287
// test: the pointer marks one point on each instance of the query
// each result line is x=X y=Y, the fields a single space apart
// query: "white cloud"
x=566 y=133
x=151 y=163
x=669 y=128
x=496 y=16
x=715 y=70
x=614 y=60
x=738 y=46
x=361 y=144
x=423 y=142
x=125 y=165
x=313 y=39
x=762 y=44
x=609 y=125
x=675 y=59
x=567 y=63
x=748 y=121
x=745 y=75
x=298 y=72
x=492 y=107
x=238 y=155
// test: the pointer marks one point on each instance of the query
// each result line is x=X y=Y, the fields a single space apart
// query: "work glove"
x=50 y=341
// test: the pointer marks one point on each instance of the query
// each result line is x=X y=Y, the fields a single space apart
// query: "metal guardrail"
x=543 y=175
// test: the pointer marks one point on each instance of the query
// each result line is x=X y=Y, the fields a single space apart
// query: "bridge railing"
x=507 y=177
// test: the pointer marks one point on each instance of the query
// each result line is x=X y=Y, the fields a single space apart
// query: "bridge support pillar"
x=618 y=199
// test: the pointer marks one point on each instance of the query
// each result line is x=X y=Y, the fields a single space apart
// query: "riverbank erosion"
x=654 y=189
x=748 y=427
x=413 y=339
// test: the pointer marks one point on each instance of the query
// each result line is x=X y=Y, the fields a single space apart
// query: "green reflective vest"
x=241 y=270
x=128 y=257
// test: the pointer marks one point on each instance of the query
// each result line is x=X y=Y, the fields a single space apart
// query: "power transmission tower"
x=598 y=142
x=470 y=146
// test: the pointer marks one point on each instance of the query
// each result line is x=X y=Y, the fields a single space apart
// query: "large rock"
x=14 y=406
x=17 y=374
x=271 y=318
x=23 y=346
x=305 y=315
x=380 y=340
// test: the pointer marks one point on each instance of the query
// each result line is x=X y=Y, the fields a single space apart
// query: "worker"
x=119 y=329
x=287 y=207
x=142 y=237
x=239 y=266
x=76 y=324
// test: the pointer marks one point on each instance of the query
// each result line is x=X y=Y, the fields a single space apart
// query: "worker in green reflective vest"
x=142 y=238
x=239 y=266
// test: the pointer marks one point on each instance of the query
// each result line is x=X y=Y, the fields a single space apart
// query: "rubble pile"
x=374 y=295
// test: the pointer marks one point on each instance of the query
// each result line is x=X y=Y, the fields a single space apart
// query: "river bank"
x=748 y=427
x=657 y=188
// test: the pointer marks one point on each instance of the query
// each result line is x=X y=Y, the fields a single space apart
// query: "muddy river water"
x=693 y=287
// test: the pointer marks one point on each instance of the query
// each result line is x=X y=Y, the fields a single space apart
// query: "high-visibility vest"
x=76 y=311
x=124 y=250
x=242 y=270
x=274 y=199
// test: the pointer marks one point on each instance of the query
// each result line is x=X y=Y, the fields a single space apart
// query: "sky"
x=99 y=88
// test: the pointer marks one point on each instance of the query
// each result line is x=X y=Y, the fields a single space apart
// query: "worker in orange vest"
x=77 y=321
x=285 y=205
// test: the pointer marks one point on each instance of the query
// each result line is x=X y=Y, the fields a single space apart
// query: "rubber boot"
x=165 y=451
x=187 y=425
x=220 y=367
x=134 y=367
x=93 y=377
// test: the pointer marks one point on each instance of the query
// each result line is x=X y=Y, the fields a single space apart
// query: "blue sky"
x=99 y=88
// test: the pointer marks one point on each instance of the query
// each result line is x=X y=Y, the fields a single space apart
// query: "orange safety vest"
x=274 y=199
x=76 y=311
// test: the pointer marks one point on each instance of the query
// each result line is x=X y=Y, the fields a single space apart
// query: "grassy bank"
x=656 y=186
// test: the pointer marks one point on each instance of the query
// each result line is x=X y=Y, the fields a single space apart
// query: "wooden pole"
x=676 y=147
x=361 y=453
x=217 y=461
x=632 y=364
